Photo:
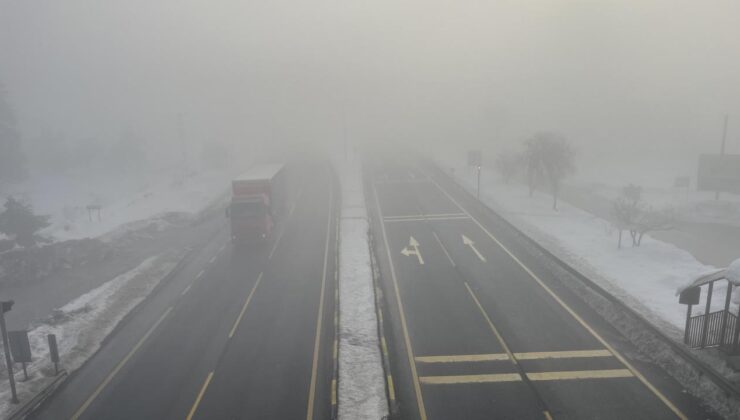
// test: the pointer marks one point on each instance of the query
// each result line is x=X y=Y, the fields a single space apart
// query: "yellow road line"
x=119 y=366
x=574 y=354
x=470 y=379
x=490 y=357
x=493 y=327
x=577 y=317
x=317 y=339
x=417 y=216
x=533 y=376
x=391 y=387
x=463 y=358
x=580 y=374
x=200 y=396
x=333 y=392
x=404 y=328
x=424 y=219
x=244 y=307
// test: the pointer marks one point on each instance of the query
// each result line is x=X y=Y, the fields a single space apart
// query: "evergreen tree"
x=19 y=222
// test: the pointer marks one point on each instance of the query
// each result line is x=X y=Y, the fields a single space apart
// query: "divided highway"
x=480 y=329
x=240 y=333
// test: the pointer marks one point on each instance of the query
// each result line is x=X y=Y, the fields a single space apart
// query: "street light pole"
x=722 y=148
x=7 y=306
x=478 y=194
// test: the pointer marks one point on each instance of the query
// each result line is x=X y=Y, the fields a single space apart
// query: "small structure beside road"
x=720 y=328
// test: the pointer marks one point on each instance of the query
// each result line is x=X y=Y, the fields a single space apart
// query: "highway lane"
x=480 y=329
x=242 y=332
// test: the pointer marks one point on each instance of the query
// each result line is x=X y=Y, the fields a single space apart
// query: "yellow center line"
x=580 y=374
x=317 y=339
x=563 y=354
x=244 y=307
x=119 y=366
x=567 y=308
x=200 y=396
x=463 y=358
x=404 y=328
x=470 y=379
x=490 y=325
x=490 y=357
x=533 y=376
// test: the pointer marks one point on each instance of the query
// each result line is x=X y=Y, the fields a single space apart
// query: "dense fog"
x=632 y=85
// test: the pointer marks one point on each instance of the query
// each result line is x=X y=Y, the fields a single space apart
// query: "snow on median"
x=361 y=380
x=81 y=325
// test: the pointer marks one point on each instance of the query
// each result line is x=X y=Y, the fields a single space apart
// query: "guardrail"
x=703 y=369
x=29 y=406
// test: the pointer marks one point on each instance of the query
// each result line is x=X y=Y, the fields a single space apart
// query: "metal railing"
x=716 y=329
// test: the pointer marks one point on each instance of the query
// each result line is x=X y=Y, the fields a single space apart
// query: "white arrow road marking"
x=413 y=249
x=469 y=242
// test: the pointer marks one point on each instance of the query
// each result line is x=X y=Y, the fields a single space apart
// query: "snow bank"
x=81 y=325
x=645 y=277
x=733 y=272
x=361 y=379
x=122 y=199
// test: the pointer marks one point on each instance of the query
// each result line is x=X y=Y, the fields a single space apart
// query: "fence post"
x=725 y=314
x=688 y=325
x=705 y=329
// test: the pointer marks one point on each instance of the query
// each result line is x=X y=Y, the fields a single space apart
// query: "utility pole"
x=722 y=148
x=6 y=306
x=181 y=137
x=478 y=194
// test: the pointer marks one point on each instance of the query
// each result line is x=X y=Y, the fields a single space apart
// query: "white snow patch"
x=122 y=199
x=733 y=272
x=644 y=277
x=81 y=325
x=361 y=378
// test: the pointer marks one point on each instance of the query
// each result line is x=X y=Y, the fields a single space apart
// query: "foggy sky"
x=616 y=77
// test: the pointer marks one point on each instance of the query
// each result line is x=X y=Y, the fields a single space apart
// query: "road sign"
x=719 y=173
x=475 y=158
x=690 y=296
x=20 y=347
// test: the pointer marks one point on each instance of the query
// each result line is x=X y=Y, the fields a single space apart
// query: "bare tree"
x=508 y=164
x=631 y=214
x=548 y=158
x=652 y=220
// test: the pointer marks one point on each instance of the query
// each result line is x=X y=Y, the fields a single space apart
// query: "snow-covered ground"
x=645 y=277
x=81 y=325
x=123 y=199
x=361 y=379
x=690 y=206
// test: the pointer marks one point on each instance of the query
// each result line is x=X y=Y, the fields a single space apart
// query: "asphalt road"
x=479 y=329
x=239 y=333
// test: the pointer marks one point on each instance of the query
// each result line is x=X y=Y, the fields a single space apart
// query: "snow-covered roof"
x=731 y=274
x=266 y=171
